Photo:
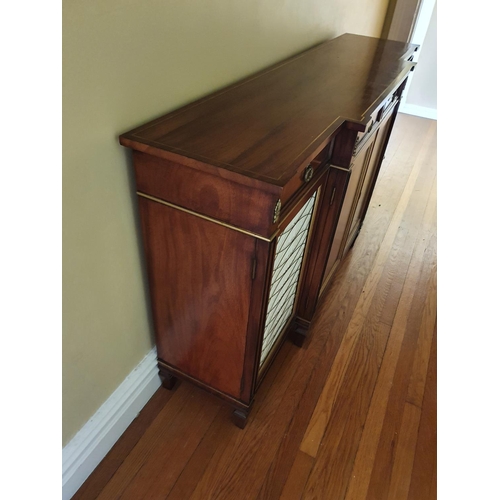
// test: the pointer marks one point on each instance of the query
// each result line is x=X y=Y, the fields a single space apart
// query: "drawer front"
x=387 y=107
x=363 y=137
x=354 y=220
x=307 y=173
x=335 y=251
x=375 y=119
x=204 y=194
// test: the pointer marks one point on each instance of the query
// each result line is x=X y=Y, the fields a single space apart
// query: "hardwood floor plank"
x=424 y=475
x=333 y=464
x=322 y=413
x=297 y=478
x=421 y=261
x=232 y=461
x=240 y=469
x=96 y=482
x=221 y=435
x=384 y=460
x=148 y=444
x=404 y=454
x=365 y=456
x=332 y=469
x=334 y=313
x=158 y=475
x=340 y=443
x=345 y=293
x=424 y=345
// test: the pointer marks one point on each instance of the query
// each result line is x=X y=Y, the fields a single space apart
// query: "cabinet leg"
x=298 y=332
x=355 y=237
x=167 y=379
x=298 y=338
x=240 y=418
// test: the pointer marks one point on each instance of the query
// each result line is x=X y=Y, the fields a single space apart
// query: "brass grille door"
x=290 y=250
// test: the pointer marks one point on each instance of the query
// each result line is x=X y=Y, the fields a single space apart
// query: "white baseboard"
x=413 y=109
x=93 y=441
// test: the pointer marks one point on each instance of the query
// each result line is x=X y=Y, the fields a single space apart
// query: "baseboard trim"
x=413 y=109
x=94 y=440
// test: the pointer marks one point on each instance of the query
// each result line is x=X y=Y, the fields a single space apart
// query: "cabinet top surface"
x=265 y=126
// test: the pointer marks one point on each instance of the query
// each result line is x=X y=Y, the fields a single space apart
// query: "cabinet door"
x=368 y=181
x=200 y=276
x=289 y=253
x=362 y=161
x=375 y=164
x=352 y=194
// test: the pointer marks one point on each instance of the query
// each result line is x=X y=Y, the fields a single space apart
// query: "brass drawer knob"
x=309 y=172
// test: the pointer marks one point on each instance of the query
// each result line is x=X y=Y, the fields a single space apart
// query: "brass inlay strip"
x=206 y=217
x=340 y=168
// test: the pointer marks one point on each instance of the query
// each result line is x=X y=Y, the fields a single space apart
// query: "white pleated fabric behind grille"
x=286 y=271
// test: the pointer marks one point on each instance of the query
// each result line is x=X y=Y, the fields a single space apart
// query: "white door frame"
x=418 y=37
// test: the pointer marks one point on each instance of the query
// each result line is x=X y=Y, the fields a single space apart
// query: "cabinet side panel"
x=200 y=282
x=342 y=221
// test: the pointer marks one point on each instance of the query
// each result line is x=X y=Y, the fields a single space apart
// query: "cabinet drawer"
x=387 y=107
x=375 y=119
x=306 y=174
x=363 y=137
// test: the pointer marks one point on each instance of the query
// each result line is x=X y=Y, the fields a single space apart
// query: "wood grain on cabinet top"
x=267 y=125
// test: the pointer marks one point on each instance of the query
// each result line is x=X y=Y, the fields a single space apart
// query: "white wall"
x=421 y=95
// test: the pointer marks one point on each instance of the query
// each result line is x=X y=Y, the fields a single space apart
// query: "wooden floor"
x=351 y=415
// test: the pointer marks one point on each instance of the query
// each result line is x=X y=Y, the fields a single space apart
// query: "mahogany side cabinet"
x=250 y=197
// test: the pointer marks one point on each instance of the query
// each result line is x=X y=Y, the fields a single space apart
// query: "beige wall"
x=125 y=62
